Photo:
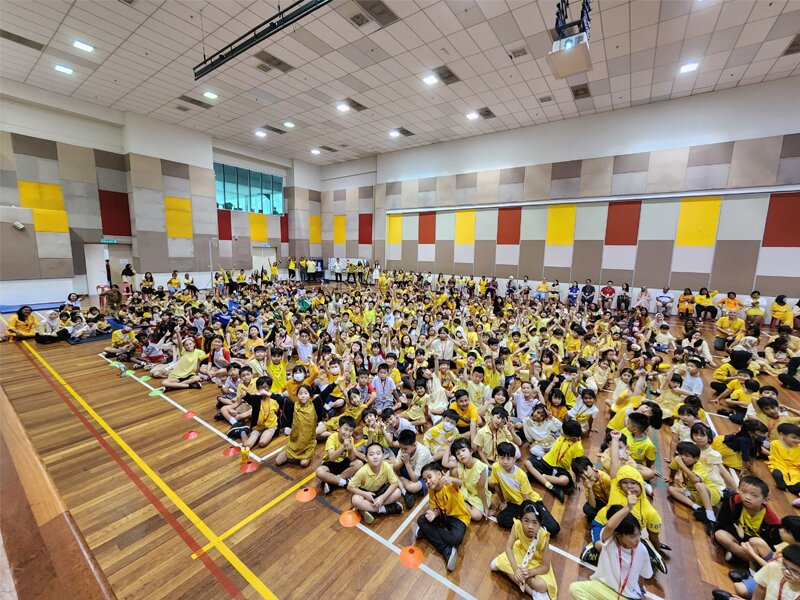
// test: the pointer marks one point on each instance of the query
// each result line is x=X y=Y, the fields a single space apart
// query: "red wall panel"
x=783 y=221
x=427 y=228
x=365 y=228
x=622 y=227
x=114 y=213
x=285 y=228
x=224 y=224
x=509 y=220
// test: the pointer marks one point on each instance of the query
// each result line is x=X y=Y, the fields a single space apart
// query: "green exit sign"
x=108 y=241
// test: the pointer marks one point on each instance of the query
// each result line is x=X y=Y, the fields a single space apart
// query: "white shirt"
x=337 y=267
x=610 y=573
x=444 y=349
x=523 y=407
x=693 y=383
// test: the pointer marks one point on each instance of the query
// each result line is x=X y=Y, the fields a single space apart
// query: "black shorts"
x=337 y=468
x=462 y=428
x=182 y=379
x=545 y=469
x=379 y=492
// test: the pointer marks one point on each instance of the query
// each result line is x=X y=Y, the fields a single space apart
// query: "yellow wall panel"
x=178 y=216
x=50 y=220
x=258 y=228
x=465 y=227
x=697 y=221
x=394 y=229
x=315 y=229
x=40 y=195
x=339 y=229
x=561 y=224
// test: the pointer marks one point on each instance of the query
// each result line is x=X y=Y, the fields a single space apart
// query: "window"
x=250 y=191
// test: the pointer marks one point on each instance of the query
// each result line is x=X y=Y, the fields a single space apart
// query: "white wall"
x=355 y=173
x=305 y=175
x=163 y=140
x=753 y=111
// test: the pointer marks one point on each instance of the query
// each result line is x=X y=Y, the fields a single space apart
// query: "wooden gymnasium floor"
x=146 y=500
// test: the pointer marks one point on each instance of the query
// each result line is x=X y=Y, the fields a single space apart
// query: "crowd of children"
x=446 y=391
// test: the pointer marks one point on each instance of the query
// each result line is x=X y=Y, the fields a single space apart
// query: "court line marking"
x=417 y=509
x=156 y=502
x=204 y=423
x=255 y=515
x=223 y=549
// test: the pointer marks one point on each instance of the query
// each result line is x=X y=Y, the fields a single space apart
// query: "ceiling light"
x=343 y=106
x=211 y=95
x=261 y=134
x=689 y=67
x=63 y=69
x=288 y=124
x=430 y=79
x=83 y=46
x=472 y=116
x=394 y=133
x=315 y=151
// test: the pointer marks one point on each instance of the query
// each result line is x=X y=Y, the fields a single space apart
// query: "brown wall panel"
x=735 y=265
x=484 y=257
x=153 y=251
x=408 y=260
x=618 y=276
x=560 y=273
x=351 y=248
x=653 y=263
x=507 y=271
x=693 y=281
x=773 y=286
x=424 y=267
x=201 y=252
x=531 y=258
x=587 y=257
x=31 y=146
x=445 y=250
x=54 y=268
x=183 y=264
x=463 y=269
x=18 y=253
x=174 y=169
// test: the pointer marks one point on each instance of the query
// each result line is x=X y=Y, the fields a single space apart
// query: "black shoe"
x=410 y=498
x=219 y=404
x=709 y=526
x=395 y=508
x=219 y=417
x=557 y=492
x=720 y=595
x=195 y=386
x=739 y=575
x=724 y=412
x=699 y=514
x=237 y=431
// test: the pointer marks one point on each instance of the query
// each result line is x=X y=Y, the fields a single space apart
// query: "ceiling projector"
x=570 y=56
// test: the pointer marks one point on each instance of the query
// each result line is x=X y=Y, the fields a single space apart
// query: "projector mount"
x=562 y=13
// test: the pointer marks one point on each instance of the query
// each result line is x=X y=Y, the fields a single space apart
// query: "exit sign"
x=108 y=241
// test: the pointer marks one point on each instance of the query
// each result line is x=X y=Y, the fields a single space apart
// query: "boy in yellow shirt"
x=697 y=488
x=511 y=485
x=784 y=459
x=552 y=470
x=374 y=486
x=341 y=459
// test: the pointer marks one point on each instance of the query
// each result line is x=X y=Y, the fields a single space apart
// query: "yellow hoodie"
x=644 y=512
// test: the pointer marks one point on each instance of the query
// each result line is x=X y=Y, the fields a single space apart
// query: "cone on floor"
x=411 y=557
x=190 y=435
x=306 y=494
x=349 y=518
x=189 y=415
x=230 y=451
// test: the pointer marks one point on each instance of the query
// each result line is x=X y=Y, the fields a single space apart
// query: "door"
x=95 y=266
x=262 y=257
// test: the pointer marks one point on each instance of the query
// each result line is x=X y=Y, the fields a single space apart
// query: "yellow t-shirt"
x=563 y=452
x=187 y=364
x=487 y=441
x=333 y=444
x=367 y=480
x=466 y=415
x=120 y=338
x=640 y=450
x=514 y=486
x=725 y=322
x=437 y=438
x=449 y=501
x=268 y=415
x=278 y=373
x=752 y=523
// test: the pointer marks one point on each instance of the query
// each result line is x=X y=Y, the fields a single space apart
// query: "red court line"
x=209 y=563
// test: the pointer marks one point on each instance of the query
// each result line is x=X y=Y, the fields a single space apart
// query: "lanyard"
x=624 y=583
x=560 y=454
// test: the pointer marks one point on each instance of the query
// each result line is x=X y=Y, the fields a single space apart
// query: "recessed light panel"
x=261 y=134
x=211 y=95
x=83 y=46
x=689 y=67
x=63 y=69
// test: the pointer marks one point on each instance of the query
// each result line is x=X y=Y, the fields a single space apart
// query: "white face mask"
x=334 y=370
x=448 y=427
x=298 y=377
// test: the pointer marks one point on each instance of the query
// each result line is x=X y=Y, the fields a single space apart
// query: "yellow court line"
x=260 y=511
x=255 y=515
x=215 y=542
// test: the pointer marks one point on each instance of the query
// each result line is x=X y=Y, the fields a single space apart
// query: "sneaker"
x=219 y=404
x=699 y=514
x=195 y=386
x=590 y=554
x=368 y=517
x=557 y=492
x=658 y=562
x=739 y=575
x=410 y=499
x=326 y=488
x=796 y=502
x=395 y=508
x=287 y=431
x=219 y=417
x=237 y=431
x=414 y=533
x=709 y=526
x=720 y=595
x=451 y=560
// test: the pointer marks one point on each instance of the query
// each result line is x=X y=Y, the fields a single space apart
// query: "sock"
x=539 y=595
x=695 y=506
x=342 y=482
x=710 y=515
x=493 y=566
x=232 y=421
x=382 y=510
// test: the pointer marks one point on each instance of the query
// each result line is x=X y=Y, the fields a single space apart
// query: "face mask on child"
x=298 y=377
x=448 y=427
x=334 y=370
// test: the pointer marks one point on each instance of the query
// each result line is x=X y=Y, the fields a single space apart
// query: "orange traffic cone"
x=306 y=494
x=411 y=557
x=349 y=518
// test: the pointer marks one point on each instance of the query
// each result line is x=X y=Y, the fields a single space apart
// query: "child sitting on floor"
x=342 y=459
x=375 y=487
x=697 y=487
x=596 y=485
x=784 y=460
x=552 y=470
x=526 y=560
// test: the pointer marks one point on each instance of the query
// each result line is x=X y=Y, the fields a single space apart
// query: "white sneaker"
x=414 y=533
x=287 y=431
x=451 y=560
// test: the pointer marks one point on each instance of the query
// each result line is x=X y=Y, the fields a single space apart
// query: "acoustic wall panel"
x=178 y=217
x=339 y=234
x=697 y=221
x=742 y=217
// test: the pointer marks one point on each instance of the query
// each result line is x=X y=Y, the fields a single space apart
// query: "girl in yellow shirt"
x=781 y=312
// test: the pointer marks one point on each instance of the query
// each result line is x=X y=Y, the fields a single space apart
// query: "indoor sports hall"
x=402 y=299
